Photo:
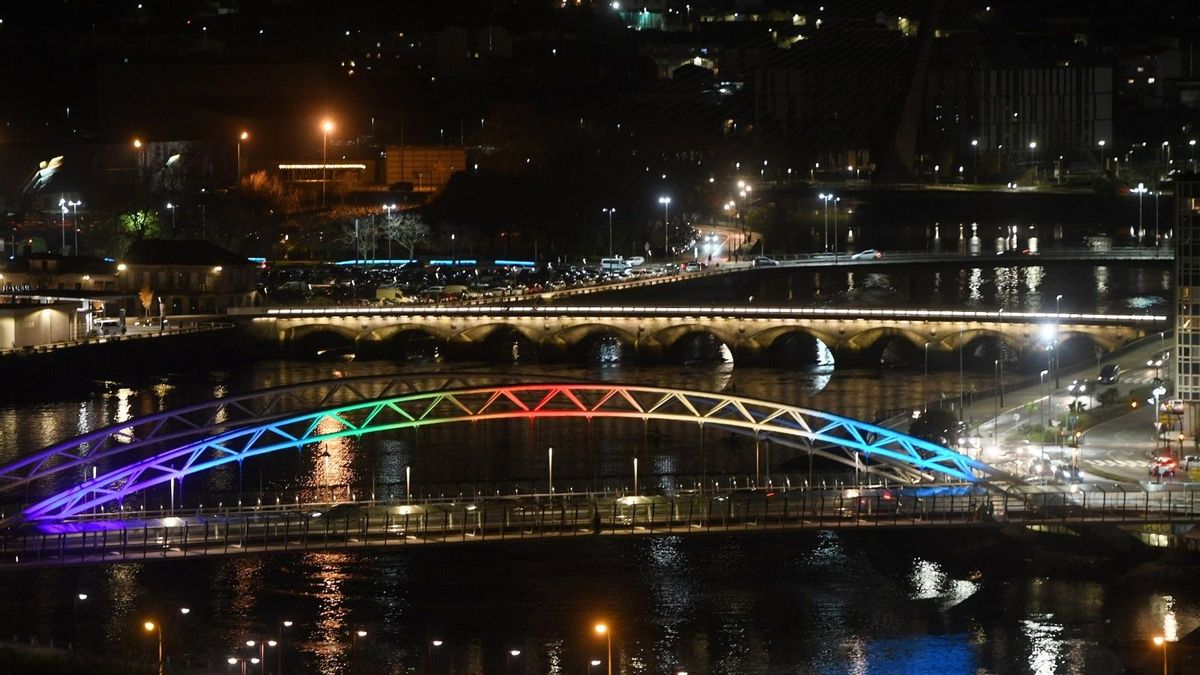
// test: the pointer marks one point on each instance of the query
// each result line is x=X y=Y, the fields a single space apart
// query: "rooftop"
x=181 y=252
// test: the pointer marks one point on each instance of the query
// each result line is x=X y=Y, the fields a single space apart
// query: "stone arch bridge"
x=650 y=333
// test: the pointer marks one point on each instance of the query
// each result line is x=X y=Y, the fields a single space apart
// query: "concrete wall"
x=28 y=326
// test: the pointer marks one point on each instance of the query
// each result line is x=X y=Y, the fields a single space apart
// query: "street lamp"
x=432 y=645
x=1160 y=641
x=1033 y=158
x=610 y=211
x=171 y=208
x=1101 y=143
x=326 y=129
x=975 y=147
x=244 y=136
x=593 y=663
x=925 y=382
x=62 y=205
x=512 y=654
x=1042 y=376
x=75 y=204
x=286 y=623
x=825 y=198
x=1140 y=190
x=354 y=637
x=550 y=469
x=602 y=629
x=666 y=202
x=152 y=627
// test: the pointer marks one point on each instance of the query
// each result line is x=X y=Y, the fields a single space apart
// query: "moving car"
x=868 y=254
x=692 y=266
x=764 y=261
x=1110 y=374
x=1163 y=467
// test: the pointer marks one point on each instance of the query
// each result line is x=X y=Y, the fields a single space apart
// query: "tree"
x=405 y=228
x=360 y=235
x=146 y=297
x=139 y=225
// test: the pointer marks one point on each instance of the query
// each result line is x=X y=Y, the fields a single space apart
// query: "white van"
x=614 y=264
x=108 y=327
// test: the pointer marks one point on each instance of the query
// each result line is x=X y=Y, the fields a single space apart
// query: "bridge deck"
x=321 y=527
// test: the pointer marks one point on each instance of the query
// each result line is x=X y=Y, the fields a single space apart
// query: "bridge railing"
x=361 y=525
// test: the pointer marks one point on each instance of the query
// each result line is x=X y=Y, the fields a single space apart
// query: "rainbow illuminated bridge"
x=139 y=454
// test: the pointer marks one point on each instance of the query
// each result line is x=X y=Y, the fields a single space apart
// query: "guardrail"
x=384 y=524
x=653 y=311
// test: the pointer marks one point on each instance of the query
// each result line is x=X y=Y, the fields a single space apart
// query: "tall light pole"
x=244 y=136
x=141 y=162
x=171 y=208
x=354 y=638
x=996 y=418
x=1033 y=158
x=326 y=129
x=62 y=205
x=610 y=211
x=1057 y=320
x=835 y=237
x=925 y=382
x=603 y=629
x=975 y=147
x=1140 y=190
x=387 y=209
x=1101 y=143
x=550 y=469
x=75 y=204
x=1043 y=375
x=152 y=627
x=825 y=198
x=286 y=623
x=666 y=202
x=1160 y=641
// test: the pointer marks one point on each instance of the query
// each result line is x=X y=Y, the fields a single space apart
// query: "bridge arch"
x=690 y=341
x=787 y=344
x=871 y=346
x=314 y=340
x=877 y=449
x=404 y=342
x=583 y=342
x=505 y=341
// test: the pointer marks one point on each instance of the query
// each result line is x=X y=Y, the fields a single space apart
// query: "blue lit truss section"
x=876 y=449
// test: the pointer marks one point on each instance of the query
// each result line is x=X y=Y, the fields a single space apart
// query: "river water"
x=944 y=602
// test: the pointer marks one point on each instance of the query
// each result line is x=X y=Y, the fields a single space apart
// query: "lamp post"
x=610 y=211
x=152 y=627
x=512 y=654
x=996 y=417
x=550 y=469
x=1101 y=143
x=925 y=382
x=666 y=202
x=1042 y=375
x=1140 y=190
x=603 y=629
x=75 y=204
x=432 y=645
x=141 y=163
x=835 y=237
x=1033 y=158
x=975 y=147
x=286 y=623
x=354 y=637
x=244 y=136
x=1057 y=319
x=1160 y=641
x=825 y=198
x=62 y=205
x=326 y=129
x=171 y=208
x=592 y=664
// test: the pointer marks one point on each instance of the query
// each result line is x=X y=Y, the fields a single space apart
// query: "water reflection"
x=1045 y=644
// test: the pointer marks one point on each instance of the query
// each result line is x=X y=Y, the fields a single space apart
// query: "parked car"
x=1191 y=462
x=764 y=261
x=868 y=254
x=692 y=266
x=1110 y=374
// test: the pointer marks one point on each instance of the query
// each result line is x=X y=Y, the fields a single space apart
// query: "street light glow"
x=149 y=625
x=244 y=136
x=327 y=126
x=601 y=628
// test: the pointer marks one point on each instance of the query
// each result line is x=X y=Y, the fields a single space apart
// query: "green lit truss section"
x=876 y=449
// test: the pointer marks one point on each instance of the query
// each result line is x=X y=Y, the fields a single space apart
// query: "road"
x=1116 y=450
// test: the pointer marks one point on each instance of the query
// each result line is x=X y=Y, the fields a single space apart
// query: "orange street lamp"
x=602 y=629
x=327 y=128
x=1160 y=641
x=244 y=136
x=152 y=627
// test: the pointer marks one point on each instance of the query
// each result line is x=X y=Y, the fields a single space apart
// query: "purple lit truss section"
x=876 y=449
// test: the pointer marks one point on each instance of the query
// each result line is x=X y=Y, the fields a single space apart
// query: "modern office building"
x=1187 y=299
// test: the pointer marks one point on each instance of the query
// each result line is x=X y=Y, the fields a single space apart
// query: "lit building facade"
x=1187 y=299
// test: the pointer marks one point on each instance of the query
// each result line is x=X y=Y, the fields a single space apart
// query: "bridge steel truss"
x=875 y=449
